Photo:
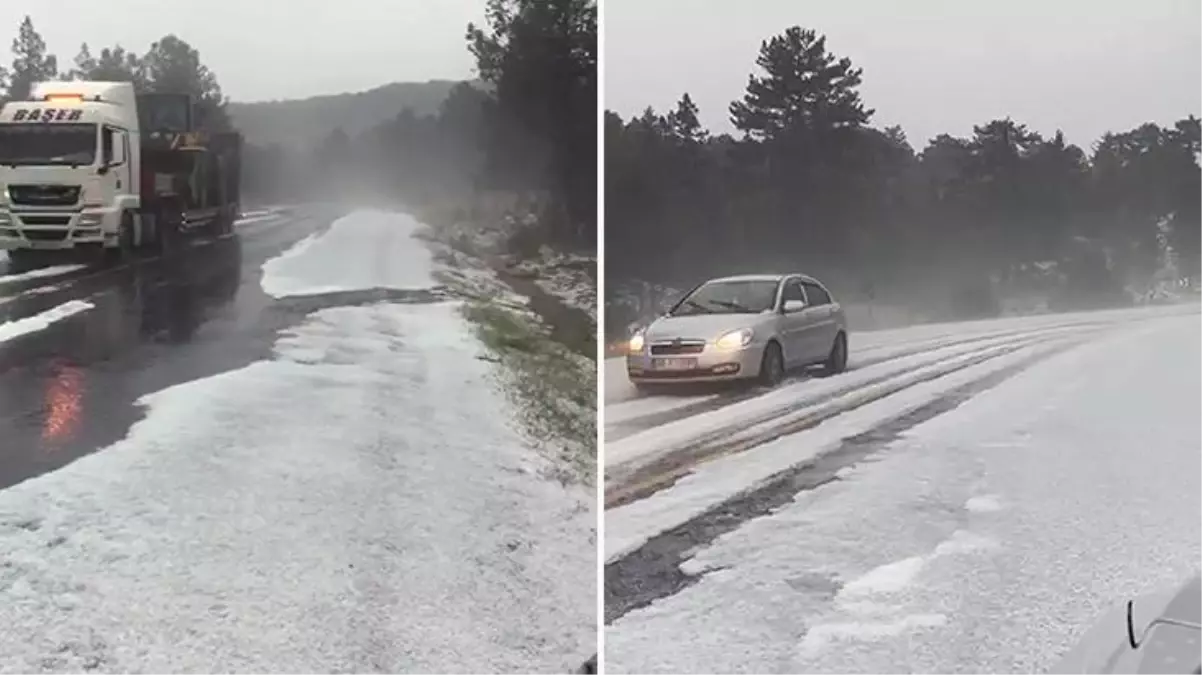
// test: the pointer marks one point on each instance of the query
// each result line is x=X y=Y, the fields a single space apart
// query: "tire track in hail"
x=653 y=572
x=892 y=350
x=633 y=425
x=691 y=448
x=665 y=471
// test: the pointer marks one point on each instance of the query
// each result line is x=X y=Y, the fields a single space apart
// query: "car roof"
x=764 y=277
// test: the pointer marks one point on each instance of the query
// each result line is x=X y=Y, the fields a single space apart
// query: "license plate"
x=673 y=364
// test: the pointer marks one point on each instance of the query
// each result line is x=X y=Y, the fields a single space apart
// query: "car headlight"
x=635 y=346
x=736 y=339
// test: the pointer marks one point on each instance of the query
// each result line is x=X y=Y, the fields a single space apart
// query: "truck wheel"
x=170 y=234
x=124 y=251
x=150 y=233
x=127 y=236
x=22 y=260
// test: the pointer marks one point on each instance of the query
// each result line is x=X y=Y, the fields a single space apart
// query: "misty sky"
x=269 y=49
x=932 y=66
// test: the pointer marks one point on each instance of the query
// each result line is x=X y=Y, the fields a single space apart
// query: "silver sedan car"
x=745 y=327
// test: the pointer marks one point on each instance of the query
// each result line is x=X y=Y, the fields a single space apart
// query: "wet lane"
x=69 y=389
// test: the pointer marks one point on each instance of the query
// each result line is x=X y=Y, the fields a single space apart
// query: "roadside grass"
x=553 y=388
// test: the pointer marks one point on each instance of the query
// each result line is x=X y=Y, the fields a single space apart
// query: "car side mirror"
x=793 y=306
x=104 y=169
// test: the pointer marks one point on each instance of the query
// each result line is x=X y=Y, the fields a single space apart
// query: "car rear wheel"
x=772 y=366
x=836 y=361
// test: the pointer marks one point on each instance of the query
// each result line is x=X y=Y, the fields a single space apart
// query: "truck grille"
x=671 y=349
x=44 y=195
x=50 y=221
x=45 y=235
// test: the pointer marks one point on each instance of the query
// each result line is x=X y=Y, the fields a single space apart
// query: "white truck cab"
x=69 y=166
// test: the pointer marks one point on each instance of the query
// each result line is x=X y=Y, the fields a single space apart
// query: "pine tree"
x=684 y=123
x=113 y=64
x=174 y=66
x=803 y=88
x=31 y=64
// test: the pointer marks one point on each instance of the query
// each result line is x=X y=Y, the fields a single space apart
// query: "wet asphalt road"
x=71 y=389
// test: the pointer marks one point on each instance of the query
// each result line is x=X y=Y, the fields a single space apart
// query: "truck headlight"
x=736 y=339
x=91 y=219
x=85 y=198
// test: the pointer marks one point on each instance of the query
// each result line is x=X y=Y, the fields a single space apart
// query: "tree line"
x=169 y=65
x=526 y=127
x=809 y=184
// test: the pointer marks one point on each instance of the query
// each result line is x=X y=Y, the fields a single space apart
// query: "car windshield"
x=36 y=144
x=729 y=297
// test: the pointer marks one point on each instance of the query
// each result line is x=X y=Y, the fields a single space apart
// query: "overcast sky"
x=269 y=49
x=932 y=66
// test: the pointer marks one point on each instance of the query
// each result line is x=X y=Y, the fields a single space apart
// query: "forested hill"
x=303 y=122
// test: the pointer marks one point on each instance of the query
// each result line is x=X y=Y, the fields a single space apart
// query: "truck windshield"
x=38 y=144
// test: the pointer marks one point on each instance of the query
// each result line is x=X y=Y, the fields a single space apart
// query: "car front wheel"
x=772 y=366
